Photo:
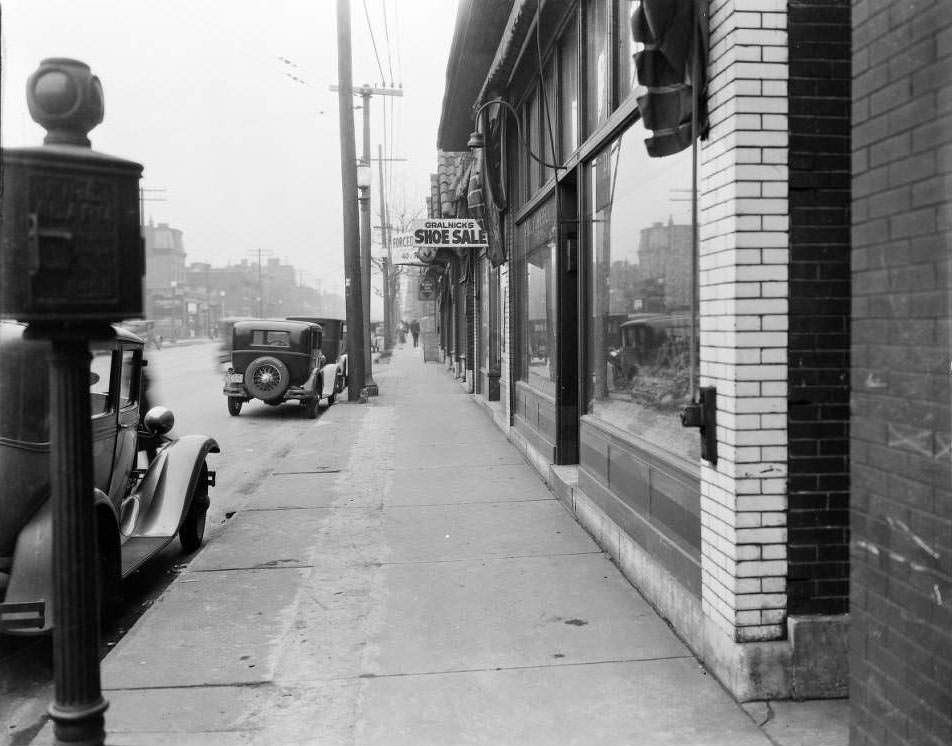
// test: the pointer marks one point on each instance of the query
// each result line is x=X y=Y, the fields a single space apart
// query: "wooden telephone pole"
x=365 y=92
x=356 y=324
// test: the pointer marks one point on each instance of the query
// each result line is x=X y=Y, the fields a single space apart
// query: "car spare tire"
x=267 y=378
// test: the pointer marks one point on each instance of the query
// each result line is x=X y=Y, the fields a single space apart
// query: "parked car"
x=649 y=340
x=333 y=344
x=280 y=360
x=225 y=334
x=141 y=503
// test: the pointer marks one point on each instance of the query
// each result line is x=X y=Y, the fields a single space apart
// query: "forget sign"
x=451 y=233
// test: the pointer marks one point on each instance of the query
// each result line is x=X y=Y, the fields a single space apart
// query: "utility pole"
x=365 y=92
x=348 y=170
x=260 y=299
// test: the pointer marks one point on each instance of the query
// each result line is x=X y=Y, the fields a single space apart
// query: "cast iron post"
x=78 y=706
x=365 y=263
x=387 y=261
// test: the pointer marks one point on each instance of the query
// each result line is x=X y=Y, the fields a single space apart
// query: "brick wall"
x=818 y=415
x=744 y=261
x=901 y=507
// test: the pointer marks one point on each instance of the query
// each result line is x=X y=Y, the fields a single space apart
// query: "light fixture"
x=478 y=140
x=363 y=176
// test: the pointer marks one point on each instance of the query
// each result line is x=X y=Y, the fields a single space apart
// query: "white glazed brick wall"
x=743 y=306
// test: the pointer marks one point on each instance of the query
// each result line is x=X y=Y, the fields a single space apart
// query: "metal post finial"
x=65 y=98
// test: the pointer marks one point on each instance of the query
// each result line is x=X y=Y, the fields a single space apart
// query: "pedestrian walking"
x=415 y=332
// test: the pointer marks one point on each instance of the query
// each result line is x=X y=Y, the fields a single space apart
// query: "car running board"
x=138 y=549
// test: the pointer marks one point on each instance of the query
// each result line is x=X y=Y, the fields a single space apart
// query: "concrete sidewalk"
x=405 y=578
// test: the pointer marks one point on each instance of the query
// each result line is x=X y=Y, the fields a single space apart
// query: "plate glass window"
x=642 y=320
x=538 y=310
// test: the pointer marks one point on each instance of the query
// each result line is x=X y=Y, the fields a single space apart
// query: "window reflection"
x=569 y=103
x=597 y=64
x=539 y=309
x=638 y=219
x=625 y=48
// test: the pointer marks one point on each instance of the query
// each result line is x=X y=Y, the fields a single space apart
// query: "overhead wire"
x=373 y=41
x=386 y=31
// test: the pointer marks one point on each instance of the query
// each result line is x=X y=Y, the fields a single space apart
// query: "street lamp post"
x=363 y=189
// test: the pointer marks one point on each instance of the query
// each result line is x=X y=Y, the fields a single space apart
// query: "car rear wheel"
x=267 y=378
x=234 y=406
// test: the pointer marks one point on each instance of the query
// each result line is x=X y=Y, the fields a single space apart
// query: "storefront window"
x=484 y=276
x=641 y=322
x=597 y=64
x=537 y=235
x=569 y=83
x=624 y=49
x=549 y=119
x=533 y=142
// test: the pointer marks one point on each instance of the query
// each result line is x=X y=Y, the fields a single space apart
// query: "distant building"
x=165 y=279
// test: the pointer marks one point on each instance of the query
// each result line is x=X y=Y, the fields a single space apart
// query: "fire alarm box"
x=70 y=239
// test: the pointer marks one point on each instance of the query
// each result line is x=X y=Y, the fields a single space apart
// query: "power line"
x=386 y=31
x=373 y=41
x=396 y=36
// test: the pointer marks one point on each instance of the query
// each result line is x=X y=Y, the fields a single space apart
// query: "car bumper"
x=292 y=394
x=235 y=389
x=24 y=616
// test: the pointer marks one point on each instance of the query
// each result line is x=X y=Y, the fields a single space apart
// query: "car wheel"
x=192 y=531
x=234 y=406
x=267 y=378
x=310 y=408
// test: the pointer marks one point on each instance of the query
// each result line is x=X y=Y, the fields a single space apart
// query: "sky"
x=236 y=153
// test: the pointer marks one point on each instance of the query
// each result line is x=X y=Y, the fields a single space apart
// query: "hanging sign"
x=450 y=233
x=426 y=290
x=404 y=250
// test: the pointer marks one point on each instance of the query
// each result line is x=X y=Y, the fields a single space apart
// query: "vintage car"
x=225 y=330
x=649 y=340
x=148 y=486
x=280 y=360
x=333 y=343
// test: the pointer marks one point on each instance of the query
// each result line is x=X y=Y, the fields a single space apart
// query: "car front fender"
x=329 y=380
x=172 y=479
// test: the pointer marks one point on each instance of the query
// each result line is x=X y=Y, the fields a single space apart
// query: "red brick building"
x=900 y=476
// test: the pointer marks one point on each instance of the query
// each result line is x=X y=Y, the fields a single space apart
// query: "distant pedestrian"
x=415 y=332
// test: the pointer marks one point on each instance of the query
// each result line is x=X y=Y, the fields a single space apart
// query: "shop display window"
x=568 y=71
x=642 y=287
x=625 y=48
x=597 y=64
x=538 y=302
